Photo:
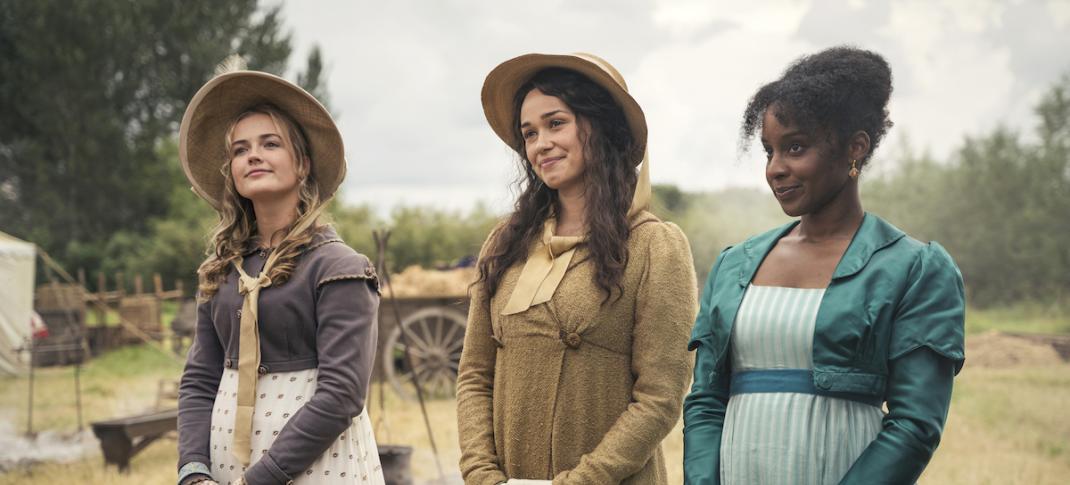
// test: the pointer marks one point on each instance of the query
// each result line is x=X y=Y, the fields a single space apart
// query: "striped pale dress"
x=784 y=437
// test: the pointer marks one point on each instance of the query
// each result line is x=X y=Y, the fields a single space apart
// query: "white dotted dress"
x=352 y=459
x=785 y=437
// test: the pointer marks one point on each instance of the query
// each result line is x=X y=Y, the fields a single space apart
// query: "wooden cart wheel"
x=435 y=337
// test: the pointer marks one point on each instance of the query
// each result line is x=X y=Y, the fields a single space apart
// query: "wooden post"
x=157 y=284
x=102 y=287
x=138 y=289
x=81 y=277
x=120 y=285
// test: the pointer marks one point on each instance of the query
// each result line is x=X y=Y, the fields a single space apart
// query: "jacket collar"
x=324 y=235
x=872 y=235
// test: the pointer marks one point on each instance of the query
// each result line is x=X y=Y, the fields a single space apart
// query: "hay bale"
x=995 y=349
x=142 y=311
x=417 y=282
x=57 y=297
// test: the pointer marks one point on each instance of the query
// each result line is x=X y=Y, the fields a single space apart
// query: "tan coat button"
x=573 y=340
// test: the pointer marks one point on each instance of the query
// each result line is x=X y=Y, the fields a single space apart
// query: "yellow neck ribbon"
x=249 y=343
x=551 y=255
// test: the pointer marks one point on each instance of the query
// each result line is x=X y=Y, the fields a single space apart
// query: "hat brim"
x=502 y=84
x=201 y=139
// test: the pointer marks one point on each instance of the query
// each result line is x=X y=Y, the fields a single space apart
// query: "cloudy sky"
x=405 y=77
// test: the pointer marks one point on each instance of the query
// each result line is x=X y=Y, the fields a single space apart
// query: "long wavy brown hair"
x=611 y=155
x=236 y=232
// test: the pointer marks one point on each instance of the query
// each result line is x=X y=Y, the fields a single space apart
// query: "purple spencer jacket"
x=323 y=317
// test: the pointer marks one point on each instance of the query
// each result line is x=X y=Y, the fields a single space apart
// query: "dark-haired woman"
x=571 y=370
x=805 y=331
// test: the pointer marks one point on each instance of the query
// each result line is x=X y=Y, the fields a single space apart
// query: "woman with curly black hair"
x=574 y=366
x=806 y=331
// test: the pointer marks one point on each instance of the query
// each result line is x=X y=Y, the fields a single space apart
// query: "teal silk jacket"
x=890 y=325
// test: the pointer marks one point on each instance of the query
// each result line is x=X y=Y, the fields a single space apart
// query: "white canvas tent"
x=17 y=259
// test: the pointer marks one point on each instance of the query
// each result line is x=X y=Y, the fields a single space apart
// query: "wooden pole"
x=101 y=308
x=157 y=284
x=138 y=288
x=29 y=406
x=120 y=285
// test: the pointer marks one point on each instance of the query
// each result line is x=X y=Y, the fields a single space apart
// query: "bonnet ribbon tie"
x=249 y=343
x=248 y=356
x=550 y=257
x=545 y=268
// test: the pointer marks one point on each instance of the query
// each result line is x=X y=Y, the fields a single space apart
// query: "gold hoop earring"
x=854 y=169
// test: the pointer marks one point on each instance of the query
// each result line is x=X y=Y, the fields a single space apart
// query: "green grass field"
x=1025 y=317
x=1007 y=425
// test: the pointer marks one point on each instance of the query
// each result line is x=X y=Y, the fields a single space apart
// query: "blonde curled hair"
x=236 y=232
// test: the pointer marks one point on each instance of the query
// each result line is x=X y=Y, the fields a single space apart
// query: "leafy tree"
x=999 y=205
x=90 y=90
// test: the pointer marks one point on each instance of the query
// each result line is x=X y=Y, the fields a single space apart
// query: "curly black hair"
x=611 y=153
x=835 y=92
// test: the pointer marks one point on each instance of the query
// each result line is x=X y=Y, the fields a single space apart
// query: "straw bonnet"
x=549 y=259
x=504 y=81
x=201 y=144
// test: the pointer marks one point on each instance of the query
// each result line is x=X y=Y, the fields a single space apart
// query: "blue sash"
x=790 y=380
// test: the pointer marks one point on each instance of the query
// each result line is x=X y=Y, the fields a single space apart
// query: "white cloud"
x=694 y=95
x=950 y=82
x=405 y=76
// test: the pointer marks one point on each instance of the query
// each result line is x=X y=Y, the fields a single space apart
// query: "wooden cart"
x=434 y=329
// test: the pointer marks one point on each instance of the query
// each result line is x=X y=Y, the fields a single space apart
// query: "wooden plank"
x=122 y=438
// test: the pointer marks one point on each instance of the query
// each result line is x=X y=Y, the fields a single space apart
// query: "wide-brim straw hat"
x=201 y=138
x=502 y=84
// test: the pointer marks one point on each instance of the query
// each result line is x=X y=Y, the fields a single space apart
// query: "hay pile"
x=998 y=350
x=417 y=282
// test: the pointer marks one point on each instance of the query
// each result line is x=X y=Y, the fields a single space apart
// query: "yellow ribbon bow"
x=249 y=343
x=544 y=269
x=550 y=257
x=248 y=356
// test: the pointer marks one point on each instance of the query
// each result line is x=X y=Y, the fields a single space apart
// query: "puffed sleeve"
x=665 y=311
x=347 y=303
x=475 y=391
x=932 y=311
x=197 y=390
x=704 y=407
x=925 y=353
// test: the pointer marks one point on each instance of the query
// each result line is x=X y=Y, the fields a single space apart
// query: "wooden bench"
x=121 y=439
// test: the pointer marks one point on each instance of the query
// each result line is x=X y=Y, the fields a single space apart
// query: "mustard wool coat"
x=574 y=391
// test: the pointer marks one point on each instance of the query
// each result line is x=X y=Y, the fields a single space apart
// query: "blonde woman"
x=274 y=386
x=574 y=364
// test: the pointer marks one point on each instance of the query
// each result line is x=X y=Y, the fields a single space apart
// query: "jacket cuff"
x=192 y=469
x=267 y=472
